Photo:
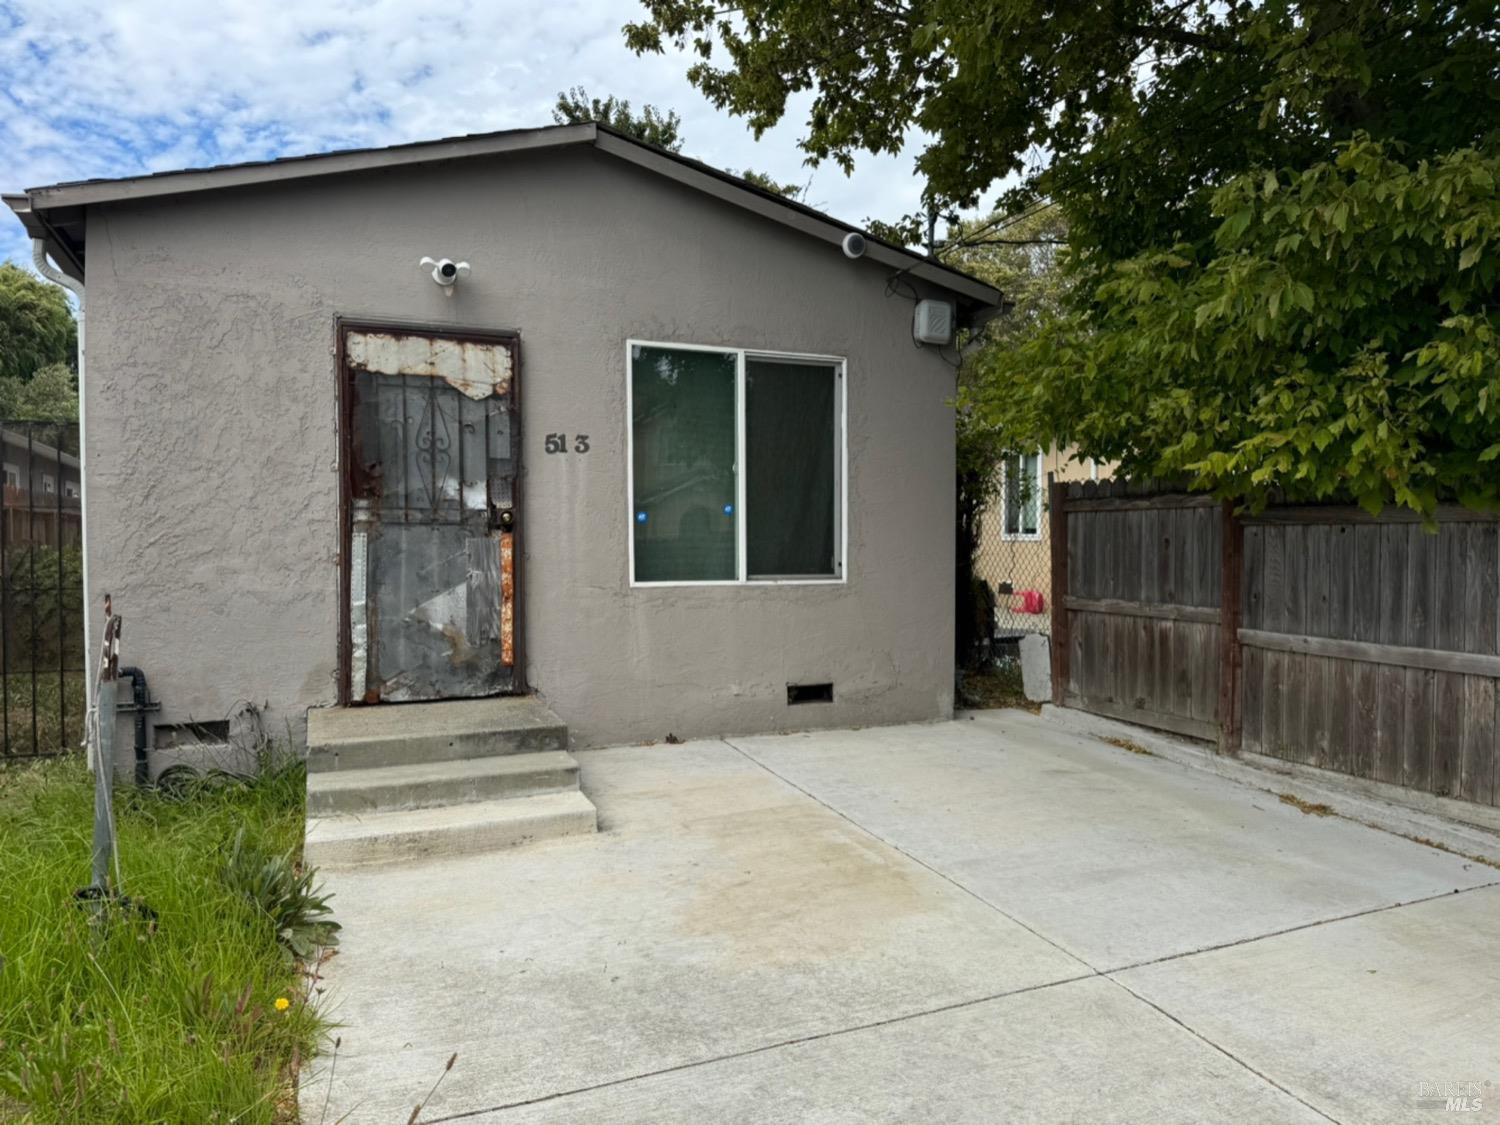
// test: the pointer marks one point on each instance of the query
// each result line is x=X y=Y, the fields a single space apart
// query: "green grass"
x=129 y=1021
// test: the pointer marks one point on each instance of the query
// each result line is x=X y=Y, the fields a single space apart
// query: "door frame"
x=344 y=423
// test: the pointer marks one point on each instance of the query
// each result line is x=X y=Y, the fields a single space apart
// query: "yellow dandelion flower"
x=282 y=1003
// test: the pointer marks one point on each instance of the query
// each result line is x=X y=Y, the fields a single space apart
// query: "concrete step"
x=429 y=784
x=342 y=738
x=455 y=830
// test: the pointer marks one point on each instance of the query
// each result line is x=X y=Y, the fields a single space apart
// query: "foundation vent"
x=809 y=693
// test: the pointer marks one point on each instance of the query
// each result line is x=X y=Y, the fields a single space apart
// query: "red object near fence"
x=1032 y=602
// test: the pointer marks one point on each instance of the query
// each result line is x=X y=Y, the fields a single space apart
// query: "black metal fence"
x=42 y=658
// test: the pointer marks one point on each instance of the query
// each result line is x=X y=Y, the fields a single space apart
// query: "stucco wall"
x=213 y=476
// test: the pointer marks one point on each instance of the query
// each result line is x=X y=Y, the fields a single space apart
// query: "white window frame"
x=841 y=468
x=49 y=484
x=12 y=471
x=1021 y=536
x=70 y=490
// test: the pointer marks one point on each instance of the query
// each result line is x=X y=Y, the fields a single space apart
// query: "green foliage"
x=652 y=125
x=1025 y=268
x=129 y=1020
x=1149 y=95
x=1338 y=338
x=44 y=607
x=1279 y=271
x=49 y=395
x=298 y=911
x=36 y=324
x=766 y=183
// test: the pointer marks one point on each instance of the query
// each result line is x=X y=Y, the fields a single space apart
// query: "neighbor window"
x=12 y=476
x=1021 y=496
x=49 y=486
x=736 y=465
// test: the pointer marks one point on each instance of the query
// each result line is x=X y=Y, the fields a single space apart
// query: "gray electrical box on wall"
x=933 y=322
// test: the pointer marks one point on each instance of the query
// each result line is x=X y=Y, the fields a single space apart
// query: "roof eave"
x=89 y=192
x=732 y=190
x=33 y=207
x=36 y=225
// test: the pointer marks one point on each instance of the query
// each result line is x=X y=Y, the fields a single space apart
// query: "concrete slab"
x=719 y=911
x=1119 y=858
x=1084 y=1051
x=478 y=826
x=899 y=925
x=1375 y=1019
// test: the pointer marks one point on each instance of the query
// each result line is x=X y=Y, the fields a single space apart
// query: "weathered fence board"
x=1142 y=605
x=1368 y=646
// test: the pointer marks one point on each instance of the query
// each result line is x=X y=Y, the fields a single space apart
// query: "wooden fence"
x=1317 y=635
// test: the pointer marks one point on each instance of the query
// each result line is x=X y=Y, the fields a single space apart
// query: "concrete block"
x=1036 y=667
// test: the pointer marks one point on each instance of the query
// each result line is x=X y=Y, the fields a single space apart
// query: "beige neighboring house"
x=1015 y=554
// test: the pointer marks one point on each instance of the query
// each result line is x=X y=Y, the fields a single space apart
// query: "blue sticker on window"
x=640 y=517
x=729 y=509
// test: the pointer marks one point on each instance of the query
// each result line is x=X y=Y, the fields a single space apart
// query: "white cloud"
x=95 y=88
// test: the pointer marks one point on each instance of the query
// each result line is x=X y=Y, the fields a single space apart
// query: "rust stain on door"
x=507 y=599
x=478 y=370
x=434 y=457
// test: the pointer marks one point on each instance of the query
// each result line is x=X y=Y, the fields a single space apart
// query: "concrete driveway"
x=980 y=921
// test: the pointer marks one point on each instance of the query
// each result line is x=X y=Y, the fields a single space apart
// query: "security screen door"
x=433 y=454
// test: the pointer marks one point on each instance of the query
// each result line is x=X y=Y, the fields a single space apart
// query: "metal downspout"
x=57 y=277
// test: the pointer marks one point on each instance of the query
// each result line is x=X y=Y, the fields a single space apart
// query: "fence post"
x=1230 y=597
x=1057 y=529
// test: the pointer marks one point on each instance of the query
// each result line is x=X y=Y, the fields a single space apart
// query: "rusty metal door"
x=433 y=453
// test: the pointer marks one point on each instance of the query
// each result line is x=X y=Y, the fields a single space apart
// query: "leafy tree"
x=766 y=183
x=1339 y=340
x=36 y=324
x=51 y=395
x=1025 y=269
x=1280 y=214
x=652 y=125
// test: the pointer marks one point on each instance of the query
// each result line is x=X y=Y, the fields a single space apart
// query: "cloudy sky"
x=120 y=87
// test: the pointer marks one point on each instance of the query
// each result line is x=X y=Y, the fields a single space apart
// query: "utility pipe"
x=141 y=697
x=57 y=277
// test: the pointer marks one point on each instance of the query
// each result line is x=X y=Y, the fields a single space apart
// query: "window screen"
x=1023 y=495
x=791 y=446
x=683 y=433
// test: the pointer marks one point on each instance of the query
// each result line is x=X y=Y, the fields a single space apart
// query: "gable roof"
x=55 y=213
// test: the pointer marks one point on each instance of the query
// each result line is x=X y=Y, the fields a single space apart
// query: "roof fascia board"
x=36 y=227
x=823 y=229
x=326 y=164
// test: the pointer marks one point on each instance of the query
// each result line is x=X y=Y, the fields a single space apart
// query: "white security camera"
x=854 y=245
x=446 y=272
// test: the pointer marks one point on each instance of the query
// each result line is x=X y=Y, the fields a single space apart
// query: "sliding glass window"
x=737 y=465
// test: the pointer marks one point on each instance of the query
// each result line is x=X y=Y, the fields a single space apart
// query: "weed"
x=1304 y=806
x=298 y=910
x=133 y=1023
x=998 y=685
x=1133 y=747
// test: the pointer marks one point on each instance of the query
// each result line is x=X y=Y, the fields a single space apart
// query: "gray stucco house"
x=660 y=453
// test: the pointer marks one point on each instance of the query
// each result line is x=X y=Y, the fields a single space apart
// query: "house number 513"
x=558 y=443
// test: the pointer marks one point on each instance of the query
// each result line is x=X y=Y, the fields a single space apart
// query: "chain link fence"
x=1013 y=558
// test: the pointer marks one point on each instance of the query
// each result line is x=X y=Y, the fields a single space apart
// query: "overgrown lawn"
x=167 y=1017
